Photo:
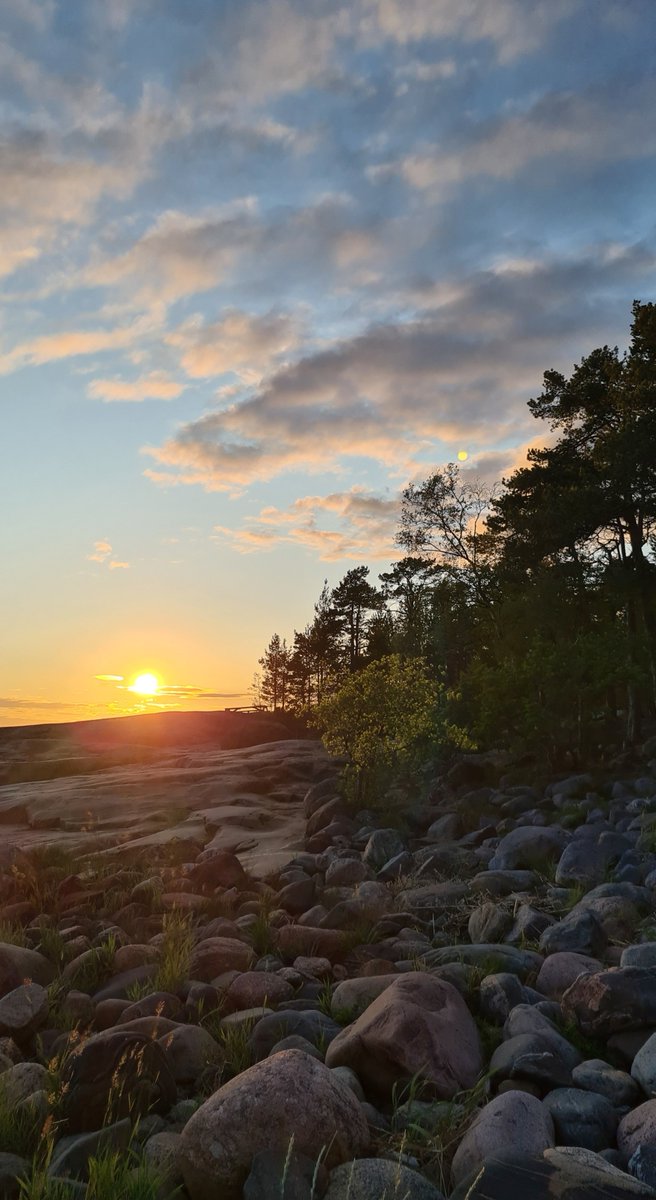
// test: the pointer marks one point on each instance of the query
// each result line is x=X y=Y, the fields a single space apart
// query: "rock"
x=595 y=1075
x=313 y=1025
x=502 y=883
x=346 y=872
x=23 y=1011
x=375 y=1178
x=352 y=996
x=517 y=1177
x=582 y=862
x=189 y=1050
x=289 y=1095
x=12 y=1168
x=642 y=955
x=18 y=965
x=612 y=1001
x=512 y=1119
x=253 y=988
x=71 y=1154
x=498 y=994
x=578 y=932
x=382 y=845
x=284 y=1175
x=445 y=829
x=489 y=923
x=112 y=1075
x=559 y=971
x=158 y=1004
x=162 y=1153
x=212 y=956
x=23 y=1080
x=292 y=940
x=637 y=1128
x=218 y=868
x=642 y=1164
x=419 y=1026
x=529 y=846
x=533 y=1058
x=492 y=956
x=643 y=1069
x=581 y=1118
x=529 y=923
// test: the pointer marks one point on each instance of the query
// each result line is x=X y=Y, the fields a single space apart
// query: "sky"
x=262 y=264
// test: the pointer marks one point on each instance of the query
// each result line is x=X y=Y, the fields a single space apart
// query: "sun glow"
x=145 y=685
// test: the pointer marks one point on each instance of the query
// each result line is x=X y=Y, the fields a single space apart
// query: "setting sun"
x=145 y=685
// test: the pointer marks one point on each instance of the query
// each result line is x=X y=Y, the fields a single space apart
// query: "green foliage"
x=95 y=968
x=20 y=1126
x=175 y=952
x=387 y=718
x=11 y=934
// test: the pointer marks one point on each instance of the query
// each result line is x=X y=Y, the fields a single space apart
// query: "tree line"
x=533 y=602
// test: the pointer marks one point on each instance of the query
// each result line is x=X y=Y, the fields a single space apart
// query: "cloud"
x=73 y=343
x=37 y=13
x=366 y=526
x=513 y=27
x=101 y=554
x=101 y=551
x=458 y=374
x=155 y=386
x=240 y=343
x=586 y=129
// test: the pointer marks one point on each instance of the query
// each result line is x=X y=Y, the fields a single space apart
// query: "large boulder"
x=289 y=1096
x=513 y=1119
x=529 y=846
x=17 y=965
x=555 y=1174
x=419 y=1026
x=23 y=1011
x=214 y=956
x=114 y=1075
x=612 y=1001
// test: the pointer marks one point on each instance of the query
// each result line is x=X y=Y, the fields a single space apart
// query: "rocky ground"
x=457 y=1000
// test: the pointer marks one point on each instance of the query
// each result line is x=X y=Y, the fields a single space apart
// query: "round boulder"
x=290 y=1095
x=511 y=1119
x=419 y=1026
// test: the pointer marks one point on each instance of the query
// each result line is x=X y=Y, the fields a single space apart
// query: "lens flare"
x=145 y=685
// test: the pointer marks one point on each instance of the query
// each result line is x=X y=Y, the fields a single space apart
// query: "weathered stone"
x=346 y=872
x=382 y=845
x=218 y=868
x=17 y=965
x=189 y=1050
x=112 y=1075
x=375 y=1178
x=529 y=846
x=595 y=1075
x=293 y=940
x=352 y=996
x=530 y=1057
x=23 y=1080
x=637 y=1128
x=12 y=1169
x=312 y=1024
x=517 y=1177
x=489 y=923
x=289 y=1095
x=493 y=956
x=612 y=1001
x=213 y=956
x=71 y=1154
x=581 y=1118
x=23 y=1011
x=579 y=932
x=559 y=971
x=512 y=1119
x=643 y=1069
x=641 y=955
x=284 y=1175
x=419 y=1026
x=253 y=988
x=498 y=994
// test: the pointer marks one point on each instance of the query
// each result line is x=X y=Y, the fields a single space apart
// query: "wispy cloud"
x=102 y=551
x=154 y=386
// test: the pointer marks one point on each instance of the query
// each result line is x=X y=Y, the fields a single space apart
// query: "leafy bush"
x=388 y=719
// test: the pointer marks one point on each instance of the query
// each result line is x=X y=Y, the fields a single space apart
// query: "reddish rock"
x=214 y=956
x=420 y=1026
x=612 y=1001
x=288 y=1096
x=255 y=989
x=292 y=940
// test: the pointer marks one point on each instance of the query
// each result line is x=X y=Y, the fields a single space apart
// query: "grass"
x=53 y=945
x=434 y=1147
x=114 y=1175
x=11 y=934
x=20 y=1128
x=38 y=875
x=175 y=952
x=96 y=967
x=235 y=1041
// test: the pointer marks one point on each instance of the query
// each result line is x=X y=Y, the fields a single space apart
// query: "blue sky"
x=263 y=263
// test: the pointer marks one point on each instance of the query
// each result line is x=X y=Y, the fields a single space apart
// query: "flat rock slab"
x=248 y=799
